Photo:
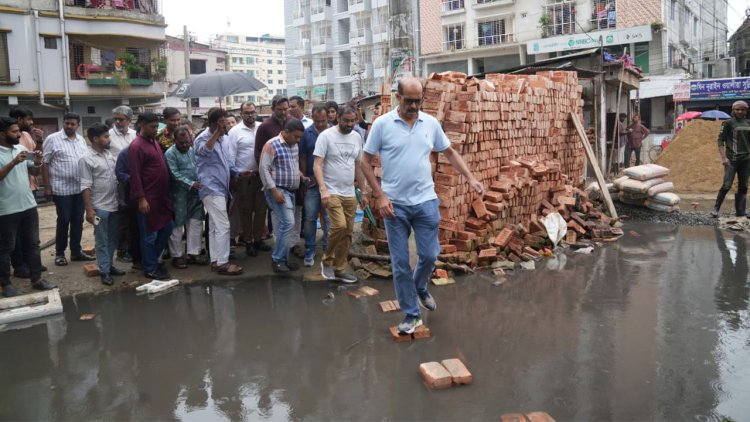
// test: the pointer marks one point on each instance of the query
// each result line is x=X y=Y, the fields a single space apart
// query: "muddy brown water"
x=654 y=327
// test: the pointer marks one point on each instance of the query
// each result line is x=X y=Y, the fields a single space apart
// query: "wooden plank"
x=595 y=164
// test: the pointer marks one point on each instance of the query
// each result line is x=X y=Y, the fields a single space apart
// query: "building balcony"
x=453 y=6
x=145 y=10
x=301 y=17
x=486 y=4
x=379 y=33
x=359 y=5
x=360 y=36
x=115 y=87
x=323 y=77
x=322 y=47
x=324 y=13
x=379 y=3
x=481 y=42
x=303 y=79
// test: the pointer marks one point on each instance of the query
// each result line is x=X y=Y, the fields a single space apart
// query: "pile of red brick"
x=516 y=136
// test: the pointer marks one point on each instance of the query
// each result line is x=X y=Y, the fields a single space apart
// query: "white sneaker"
x=327 y=272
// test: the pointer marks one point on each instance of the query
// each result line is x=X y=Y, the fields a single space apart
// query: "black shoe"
x=116 y=271
x=22 y=273
x=44 y=269
x=292 y=266
x=250 y=249
x=43 y=284
x=280 y=267
x=159 y=274
x=261 y=246
x=137 y=265
x=126 y=258
x=166 y=255
x=107 y=279
x=10 y=291
x=83 y=256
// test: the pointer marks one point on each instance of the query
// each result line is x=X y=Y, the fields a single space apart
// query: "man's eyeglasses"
x=415 y=101
x=121 y=119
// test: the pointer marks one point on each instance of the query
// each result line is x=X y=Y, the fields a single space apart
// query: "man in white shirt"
x=297 y=110
x=121 y=135
x=338 y=151
x=62 y=183
x=249 y=188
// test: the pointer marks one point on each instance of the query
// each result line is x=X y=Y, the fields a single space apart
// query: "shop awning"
x=657 y=86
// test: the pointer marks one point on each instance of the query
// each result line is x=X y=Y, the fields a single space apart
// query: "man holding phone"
x=18 y=213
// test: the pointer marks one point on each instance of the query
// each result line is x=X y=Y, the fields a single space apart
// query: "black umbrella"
x=217 y=84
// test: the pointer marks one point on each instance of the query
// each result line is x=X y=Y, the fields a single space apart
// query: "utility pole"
x=186 y=44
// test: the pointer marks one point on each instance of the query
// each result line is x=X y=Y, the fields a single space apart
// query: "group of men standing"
x=161 y=181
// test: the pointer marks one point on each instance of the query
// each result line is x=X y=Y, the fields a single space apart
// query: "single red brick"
x=458 y=371
x=488 y=253
x=539 y=417
x=441 y=273
x=479 y=209
x=513 y=417
x=91 y=270
x=421 y=332
x=493 y=196
x=503 y=237
x=435 y=375
x=399 y=338
x=448 y=249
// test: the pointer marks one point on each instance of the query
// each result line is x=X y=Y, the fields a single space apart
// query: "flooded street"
x=653 y=327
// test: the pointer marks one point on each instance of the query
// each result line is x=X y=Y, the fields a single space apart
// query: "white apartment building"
x=203 y=59
x=262 y=57
x=104 y=53
x=337 y=49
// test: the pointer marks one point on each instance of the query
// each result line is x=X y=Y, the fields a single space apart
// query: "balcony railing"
x=454 y=45
x=482 y=2
x=322 y=72
x=379 y=29
x=357 y=33
x=149 y=7
x=498 y=39
x=452 y=5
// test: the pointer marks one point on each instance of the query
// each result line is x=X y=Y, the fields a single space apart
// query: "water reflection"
x=635 y=331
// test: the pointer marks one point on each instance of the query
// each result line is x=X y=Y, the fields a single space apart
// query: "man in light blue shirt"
x=405 y=138
x=213 y=170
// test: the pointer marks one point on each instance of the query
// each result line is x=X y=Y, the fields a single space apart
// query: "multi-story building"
x=739 y=45
x=203 y=59
x=663 y=36
x=262 y=57
x=83 y=56
x=337 y=49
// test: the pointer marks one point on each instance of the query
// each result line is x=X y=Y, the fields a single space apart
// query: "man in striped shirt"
x=62 y=182
x=279 y=171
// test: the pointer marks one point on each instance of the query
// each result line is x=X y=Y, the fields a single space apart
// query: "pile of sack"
x=645 y=185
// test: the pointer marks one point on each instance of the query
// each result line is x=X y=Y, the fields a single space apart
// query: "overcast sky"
x=249 y=17
x=258 y=17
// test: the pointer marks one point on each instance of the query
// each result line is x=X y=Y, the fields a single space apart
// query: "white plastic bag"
x=556 y=227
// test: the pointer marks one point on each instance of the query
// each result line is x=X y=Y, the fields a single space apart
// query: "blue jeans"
x=312 y=209
x=69 y=215
x=152 y=243
x=424 y=219
x=285 y=212
x=105 y=235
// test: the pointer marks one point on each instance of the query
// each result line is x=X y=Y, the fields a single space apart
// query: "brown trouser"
x=341 y=212
x=252 y=207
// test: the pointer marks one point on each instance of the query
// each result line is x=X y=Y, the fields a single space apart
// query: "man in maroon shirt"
x=271 y=127
x=149 y=188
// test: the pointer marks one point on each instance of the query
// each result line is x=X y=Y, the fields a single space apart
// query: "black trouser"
x=741 y=169
x=25 y=224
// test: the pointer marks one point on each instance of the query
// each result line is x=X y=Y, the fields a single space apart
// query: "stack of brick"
x=516 y=136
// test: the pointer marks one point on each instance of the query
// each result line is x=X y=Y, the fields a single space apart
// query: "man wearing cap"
x=734 y=147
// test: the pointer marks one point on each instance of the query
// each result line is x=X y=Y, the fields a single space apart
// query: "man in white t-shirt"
x=337 y=154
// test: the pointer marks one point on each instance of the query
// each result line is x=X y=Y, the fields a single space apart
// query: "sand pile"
x=693 y=158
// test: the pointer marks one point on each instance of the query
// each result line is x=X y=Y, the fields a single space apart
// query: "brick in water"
x=421 y=332
x=435 y=375
x=458 y=371
x=399 y=338
x=91 y=270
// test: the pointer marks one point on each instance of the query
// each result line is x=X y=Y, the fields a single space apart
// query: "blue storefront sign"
x=720 y=89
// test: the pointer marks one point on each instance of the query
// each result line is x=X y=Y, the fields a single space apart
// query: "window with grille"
x=197 y=67
x=604 y=14
x=380 y=21
x=452 y=5
x=454 y=37
x=143 y=56
x=321 y=33
x=562 y=17
x=76 y=59
x=491 y=32
x=4 y=62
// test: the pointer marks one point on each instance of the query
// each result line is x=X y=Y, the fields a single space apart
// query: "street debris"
x=738 y=224
x=156 y=286
x=420 y=333
x=389 y=306
x=87 y=317
x=646 y=186
x=363 y=291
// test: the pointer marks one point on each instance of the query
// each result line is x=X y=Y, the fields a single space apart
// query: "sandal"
x=60 y=261
x=229 y=269
x=197 y=260
x=179 y=263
